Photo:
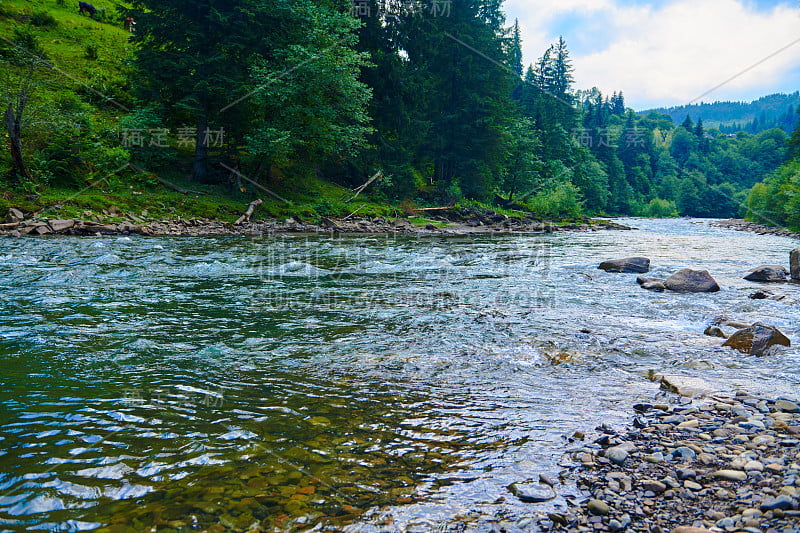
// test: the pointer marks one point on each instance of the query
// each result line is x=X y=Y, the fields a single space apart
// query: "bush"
x=658 y=208
x=43 y=18
x=562 y=202
x=91 y=53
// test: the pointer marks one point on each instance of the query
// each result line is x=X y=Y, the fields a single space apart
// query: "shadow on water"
x=293 y=381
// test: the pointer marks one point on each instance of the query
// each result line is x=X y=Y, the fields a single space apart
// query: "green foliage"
x=658 y=208
x=561 y=202
x=91 y=52
x=776 y=201
x=43 y=18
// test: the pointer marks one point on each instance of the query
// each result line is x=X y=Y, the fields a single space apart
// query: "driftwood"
x=358 y=190
x=354 y=212
x=434 y=208
x=247 y=214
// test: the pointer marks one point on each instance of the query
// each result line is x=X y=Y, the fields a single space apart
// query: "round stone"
x=598 y=507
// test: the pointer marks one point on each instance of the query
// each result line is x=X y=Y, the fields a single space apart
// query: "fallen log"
x=433 y=208
x=249 y=213
x=360 y=189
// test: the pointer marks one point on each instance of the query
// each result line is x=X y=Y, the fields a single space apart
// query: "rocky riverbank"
x=199 y=227
x=718 y=464
x=742 y=225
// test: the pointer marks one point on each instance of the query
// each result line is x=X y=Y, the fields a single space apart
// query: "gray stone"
x=532 y=492
x=782 y=502
x=794 y=263
x=638 y=265
x=730 y=475
x=598 y=507
x=616 y=454
x=787 y=407
x=688 y=280
x=15 y=215
x=653 y=486
x=683 y=453
x=654 y=458
x=61 y=225
x=691 y=485
x=726 y=522
x=768 y=273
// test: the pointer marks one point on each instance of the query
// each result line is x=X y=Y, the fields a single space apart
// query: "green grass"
x=157 y=201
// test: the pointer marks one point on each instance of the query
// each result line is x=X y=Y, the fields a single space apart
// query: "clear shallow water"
x=180 y=383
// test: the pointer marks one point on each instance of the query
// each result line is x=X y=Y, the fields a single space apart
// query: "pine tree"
x=515 y=50
x=698 y=129
x=687 y=124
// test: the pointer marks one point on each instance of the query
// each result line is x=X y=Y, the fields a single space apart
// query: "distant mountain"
x=773 y=111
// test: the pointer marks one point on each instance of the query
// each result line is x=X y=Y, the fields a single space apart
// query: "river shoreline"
x=200 y=227
x=739 y=224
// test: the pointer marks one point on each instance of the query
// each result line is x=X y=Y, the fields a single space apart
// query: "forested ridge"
x=306 y=98
x=771 y=111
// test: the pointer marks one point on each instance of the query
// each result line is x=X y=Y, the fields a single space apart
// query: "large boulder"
x=757 y=339
x=637 y=265
x=794 y=263
x=768 y=273
x=688 y=280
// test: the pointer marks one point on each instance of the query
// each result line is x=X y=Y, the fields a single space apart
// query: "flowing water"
x=189 y=384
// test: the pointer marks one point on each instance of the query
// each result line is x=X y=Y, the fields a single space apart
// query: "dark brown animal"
x=86 y=7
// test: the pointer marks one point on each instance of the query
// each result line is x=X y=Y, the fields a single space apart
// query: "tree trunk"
x=14 y=128
x=200 y=163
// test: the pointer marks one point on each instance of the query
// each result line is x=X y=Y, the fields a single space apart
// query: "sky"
x=669 y=52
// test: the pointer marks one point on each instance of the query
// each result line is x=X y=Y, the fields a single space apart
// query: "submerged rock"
x=757 y=339
x=688 y=280
x=715 y=331
x=767 y=273
x=532 y=491
x=766 y=294
x=628 y=265
x=651 y=284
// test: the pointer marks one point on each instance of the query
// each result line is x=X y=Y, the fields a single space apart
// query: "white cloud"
x=670 y=53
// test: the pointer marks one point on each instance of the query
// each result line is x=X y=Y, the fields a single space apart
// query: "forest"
x=433 y=98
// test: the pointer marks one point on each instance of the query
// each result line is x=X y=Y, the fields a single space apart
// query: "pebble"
x=684 y=453
x=598 y=507
x=616 y=454
x=654 y=458
x=653 y=486
x=665 y=474
x=787 y=406
x=730 y=475
x=691 y=485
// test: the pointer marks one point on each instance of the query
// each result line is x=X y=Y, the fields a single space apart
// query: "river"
x=189 y=384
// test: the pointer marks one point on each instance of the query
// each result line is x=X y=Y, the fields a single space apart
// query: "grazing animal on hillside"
x=88 y=8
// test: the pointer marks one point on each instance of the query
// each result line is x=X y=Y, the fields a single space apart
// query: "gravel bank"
x=722 y=464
